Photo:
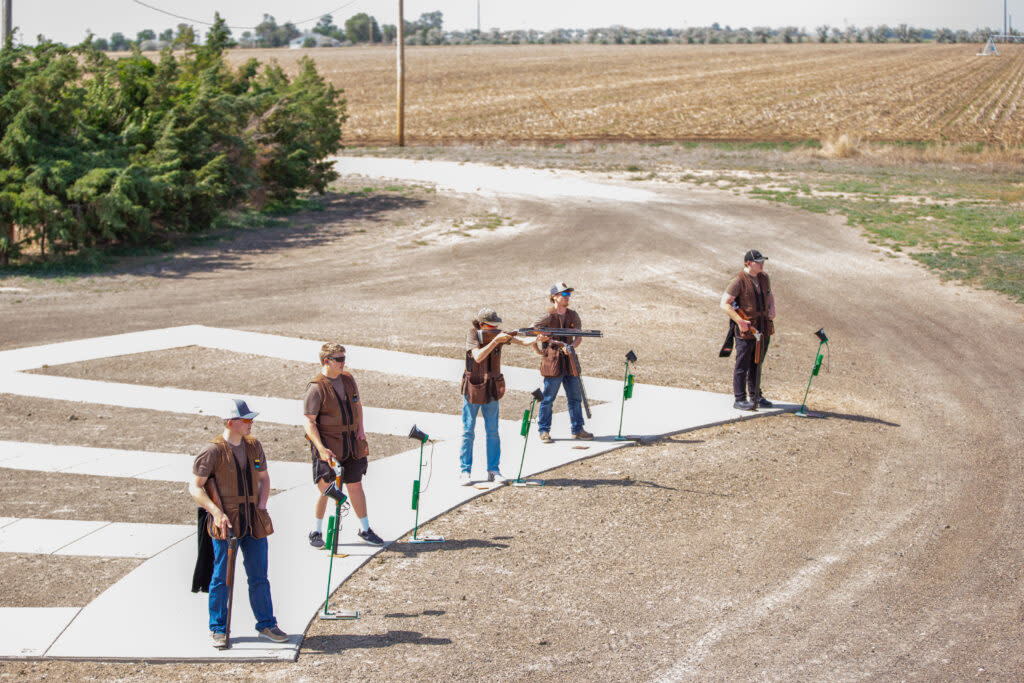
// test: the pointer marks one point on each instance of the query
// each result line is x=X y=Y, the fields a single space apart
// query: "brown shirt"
x=203 y=465
x=314 y=397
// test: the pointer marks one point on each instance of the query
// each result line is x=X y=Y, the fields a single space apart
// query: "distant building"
x=310 y=39
x=153 y=45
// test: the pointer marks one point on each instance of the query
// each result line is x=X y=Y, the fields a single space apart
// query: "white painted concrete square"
x=29 y=631
x=43 y=536
x=120 y=539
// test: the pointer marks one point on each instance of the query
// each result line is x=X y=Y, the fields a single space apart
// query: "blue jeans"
x=490 y=411
x=254 y=557
x=572 y=394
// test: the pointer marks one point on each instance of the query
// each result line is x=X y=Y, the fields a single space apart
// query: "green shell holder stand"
x=822 y=341
x=333 y=531
x=627 y=393
x=538 y=395
x=417 y=435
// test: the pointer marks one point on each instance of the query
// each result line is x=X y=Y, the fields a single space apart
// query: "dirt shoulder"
x=880 y=541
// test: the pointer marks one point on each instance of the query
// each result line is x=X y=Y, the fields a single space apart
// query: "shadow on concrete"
x=341 y=642
x=593 y=483
x=407 y=549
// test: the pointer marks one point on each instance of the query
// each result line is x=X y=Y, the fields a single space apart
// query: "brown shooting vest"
x=237 y=493
x=754 y=303
x=483 y=382
x=336 y=420
x=555 y=363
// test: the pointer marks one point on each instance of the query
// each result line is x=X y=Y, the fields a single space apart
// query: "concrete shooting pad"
x=297 y=571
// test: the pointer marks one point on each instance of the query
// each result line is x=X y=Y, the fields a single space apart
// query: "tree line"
x=96 y=151
x=429 y=30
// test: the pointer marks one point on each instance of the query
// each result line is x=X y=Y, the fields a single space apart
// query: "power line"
x=241 y=28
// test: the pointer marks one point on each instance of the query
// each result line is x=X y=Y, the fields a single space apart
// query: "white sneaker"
x=497 y=477
x=464 y=479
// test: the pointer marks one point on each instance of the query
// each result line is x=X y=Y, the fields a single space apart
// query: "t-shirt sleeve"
x=204 y=463
x=733 y=289
x=471 y=341
x=313 y=399
x=260 y=464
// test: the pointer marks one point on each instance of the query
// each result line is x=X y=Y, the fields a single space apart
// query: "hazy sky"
x=67 y=20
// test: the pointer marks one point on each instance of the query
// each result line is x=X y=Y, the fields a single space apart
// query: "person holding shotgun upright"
x=749 y=303
x=334 y=428
x=230 y=481
x=483 y=385
x=556 y=367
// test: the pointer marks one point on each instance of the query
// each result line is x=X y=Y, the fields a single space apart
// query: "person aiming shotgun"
x=483 y=385
x=230 y=481
x=558 y=368
x=750 y=304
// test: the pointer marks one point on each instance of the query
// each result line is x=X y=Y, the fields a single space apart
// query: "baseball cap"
x=236 y=409
x=560 y=287
x=754 y=255
x=488 y=316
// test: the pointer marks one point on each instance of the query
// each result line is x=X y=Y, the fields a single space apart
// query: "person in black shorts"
x=334 y=428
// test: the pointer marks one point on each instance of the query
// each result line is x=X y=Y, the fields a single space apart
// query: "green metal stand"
x=814 y=371
x=525 y=431
x=627 y=393
x=333 y=529
x=416 y=504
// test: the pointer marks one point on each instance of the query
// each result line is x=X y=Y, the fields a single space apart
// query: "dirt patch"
x=54 y=495
x=62 y=585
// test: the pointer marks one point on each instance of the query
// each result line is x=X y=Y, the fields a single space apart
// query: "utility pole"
x=401 y=75
x=478 y=17
x=8 y=27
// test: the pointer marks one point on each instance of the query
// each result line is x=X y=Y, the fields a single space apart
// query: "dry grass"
x=840 y=148
x=870 y=93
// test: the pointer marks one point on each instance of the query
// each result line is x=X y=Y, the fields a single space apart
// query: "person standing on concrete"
x=230 y=481
x=556 y=366
x=483 y=385
x=334 y=428
x=749 y=302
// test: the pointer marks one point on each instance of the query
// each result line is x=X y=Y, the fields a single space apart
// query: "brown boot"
x=546 y=438
x=583 y=435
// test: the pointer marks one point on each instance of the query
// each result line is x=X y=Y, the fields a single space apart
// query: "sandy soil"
x=879 y=542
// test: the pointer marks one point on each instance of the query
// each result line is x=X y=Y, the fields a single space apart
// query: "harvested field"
x=922 y=92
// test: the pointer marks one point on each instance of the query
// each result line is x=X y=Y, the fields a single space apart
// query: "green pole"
x=416 y=495
x=622 y=406
x=334 y=550
x=814 y=371
x=525 y=431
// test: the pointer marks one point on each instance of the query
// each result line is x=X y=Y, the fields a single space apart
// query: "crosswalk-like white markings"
x=173 y=629
x=28 y=631
x=94 y=538
x=114 y=462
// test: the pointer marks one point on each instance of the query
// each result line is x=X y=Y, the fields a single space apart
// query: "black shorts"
x=353 y=469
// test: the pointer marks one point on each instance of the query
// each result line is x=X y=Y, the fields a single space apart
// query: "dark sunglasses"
x=337 y=359
x=566 y=293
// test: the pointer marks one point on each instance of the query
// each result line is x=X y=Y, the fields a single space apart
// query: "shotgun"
x=230 y=582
